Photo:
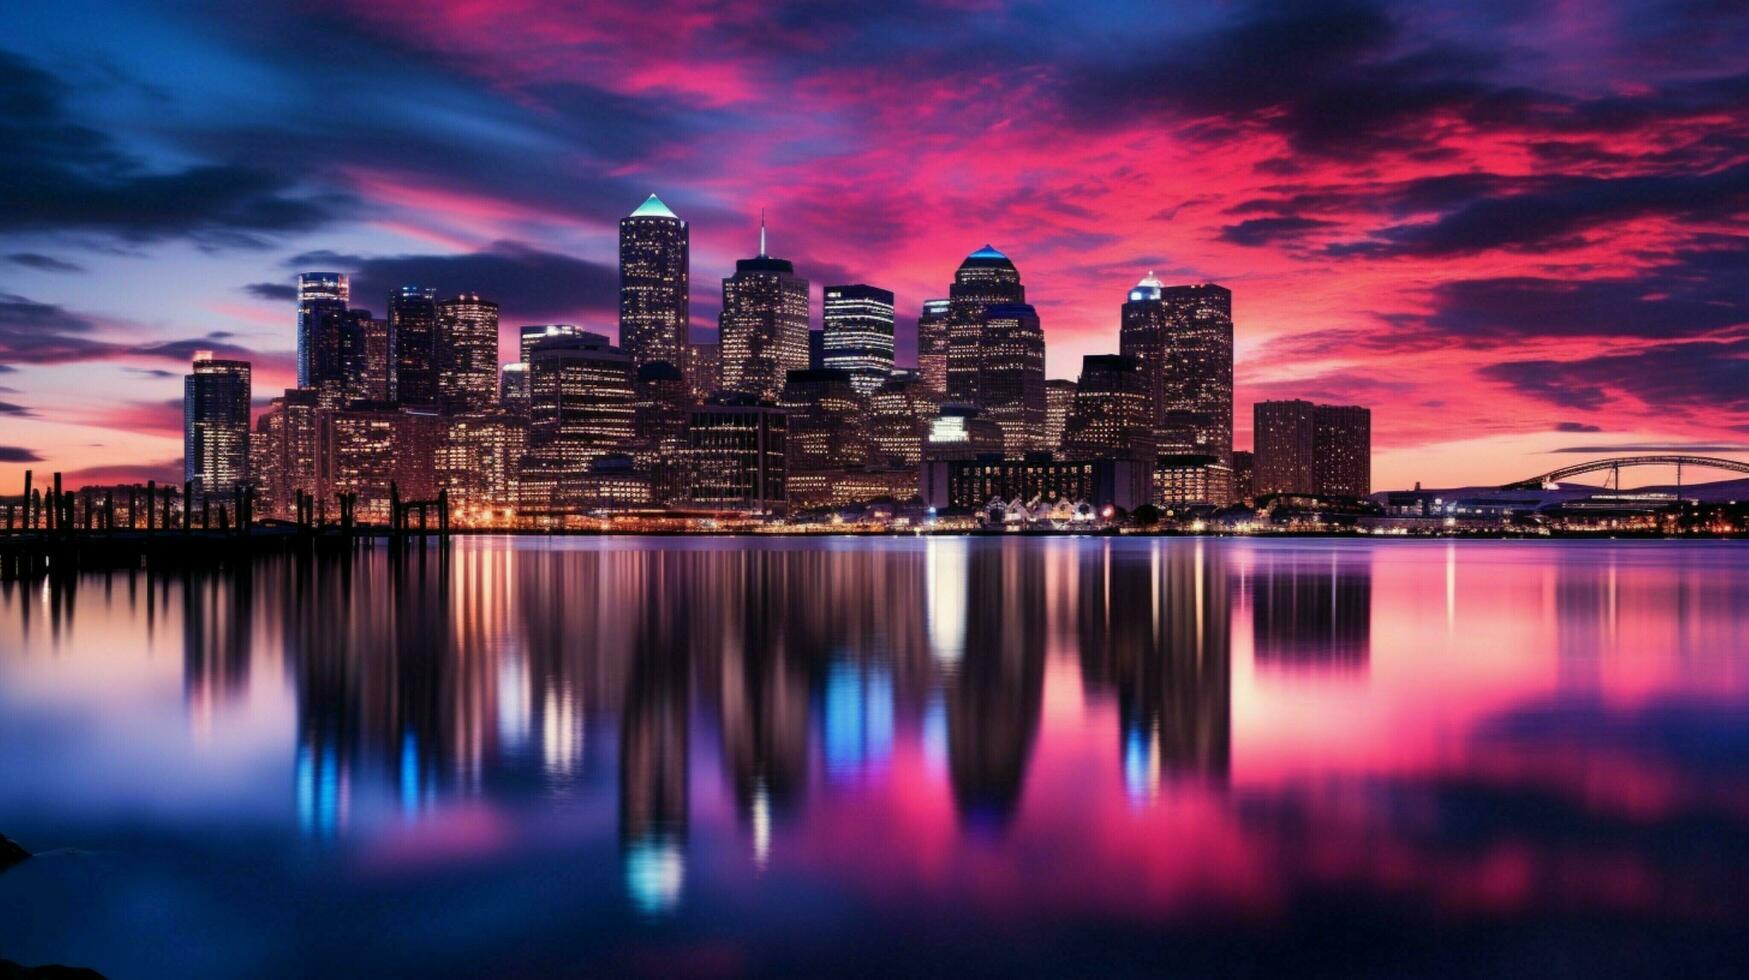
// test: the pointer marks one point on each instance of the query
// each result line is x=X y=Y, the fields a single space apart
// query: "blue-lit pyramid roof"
x=988 y=252
x=653 y=208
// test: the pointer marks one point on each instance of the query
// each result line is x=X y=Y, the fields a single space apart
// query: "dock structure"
x=63 y=531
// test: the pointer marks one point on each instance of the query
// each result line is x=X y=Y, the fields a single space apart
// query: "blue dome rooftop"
x=988 y=252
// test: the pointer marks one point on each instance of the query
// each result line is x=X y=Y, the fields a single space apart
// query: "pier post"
x=26 y=525
x=151 y=503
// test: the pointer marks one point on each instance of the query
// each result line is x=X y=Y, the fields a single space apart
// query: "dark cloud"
x=168 y=471
x=18 y=454
x=1576 y=427
x=15 y=410
x=1657 y=447
x=42 y=263
x=1268 y=231
x=1710 y=374
x=275 y=291
x=529 y=283
x=61 y=176
x=44 y=333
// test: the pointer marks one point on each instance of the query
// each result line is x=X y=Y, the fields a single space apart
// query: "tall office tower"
x=332 y=342
x=654 y=264
x=659 y=422
x=480 y=464
x=1011 y=375
x=764 y=325
x=513 y=387
x=1284 y=439
x=704 y=369
x=1196 y=414
x=1342 y=456
x=266 y=469
x=467 y=353
x=316 y=291
x=735 y=455
x=899 y=415
x=1059 y=402
x=215 y=426
x=365 y=357
x=1142 y=333
x=1110 y=417
x=985 y=279
x=1244 y=469
x=413 y=346
x=826 y=432
x=932 y=345
x=859 y=334
x=816 y=349
x=532 y=336
x=297 y=444
x=581 y=407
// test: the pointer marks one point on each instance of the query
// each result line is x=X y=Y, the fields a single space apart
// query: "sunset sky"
x=1511 y=228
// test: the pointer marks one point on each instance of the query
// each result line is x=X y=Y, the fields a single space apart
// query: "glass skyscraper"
x=215 y=426
x=859 y=334
x=763 y=326
x=654 y=264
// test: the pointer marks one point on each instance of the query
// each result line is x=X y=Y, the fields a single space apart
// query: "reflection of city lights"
x=561 y=736
x=515 y=706
x=655 y=874
x=761 y=826
x=944 y=574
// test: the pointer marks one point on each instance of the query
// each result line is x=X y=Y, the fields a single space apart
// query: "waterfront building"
x=763 y=327
x=581 y=406
x=1191 y=479
x=932 y=345
x=986 y=278
x=1342 y=458
x=826 y=433
x=1110 y=413
x=215 y=426
x=1011 y=375
x=858 y=334
x=480 y=464
x=654 y=283
x=413 y=345
x=899 y=415
x=663 y=404
x=1182 y=340
x=467 y=353
x=371 y=448
x=266 y=472
x=1059 y=402
x=317 y=291
x=736 y=455
x=971 y=484
x=1284 y=439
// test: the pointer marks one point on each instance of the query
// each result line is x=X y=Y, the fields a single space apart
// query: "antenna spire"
x=762 y=233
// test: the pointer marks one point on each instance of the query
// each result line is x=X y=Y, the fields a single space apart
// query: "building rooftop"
x=653 y=208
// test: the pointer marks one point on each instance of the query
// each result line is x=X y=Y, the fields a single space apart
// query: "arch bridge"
x=1616 y=464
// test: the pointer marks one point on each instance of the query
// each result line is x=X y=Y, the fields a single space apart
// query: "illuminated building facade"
x=1243 y=469
x=1059 y=402
x=467 y=353
x=1182 y=340
x=858 y=334
x=513 y=387
x=1284 y=438
x=825 y=433
x=215 y=426
x=763 y=328
x=581 y=406
x=899 y=415
x=317 y=291
x=369 y=448
x=664 y=403
x=1011 y=375
x=986 y=278
x=1110 y=414
x=932 y=345
x=413 y=346
x=736 y=455
x=654 y=277
x=961 y=432
x=533 y=335
x=704 y=369
x=971 y=484
x=366 y=358
x=1342 y=458
x=480 y=463
x=1191 y=479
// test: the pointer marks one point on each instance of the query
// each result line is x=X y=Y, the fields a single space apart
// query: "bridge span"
x=1616 y=464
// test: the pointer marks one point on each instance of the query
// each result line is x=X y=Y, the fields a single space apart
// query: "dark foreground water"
x=833 y=756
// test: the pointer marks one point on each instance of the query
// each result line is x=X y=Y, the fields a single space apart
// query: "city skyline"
x=1504 y=256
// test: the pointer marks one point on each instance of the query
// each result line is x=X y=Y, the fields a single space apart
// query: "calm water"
x=977 y=756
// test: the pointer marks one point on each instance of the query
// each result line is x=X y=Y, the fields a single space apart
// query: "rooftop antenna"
x=762 y=233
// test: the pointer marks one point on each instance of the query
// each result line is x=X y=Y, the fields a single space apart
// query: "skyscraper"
x=659 y=421
x=334 y=349
x=654 y=264
x=735 y=452
x=899 y=414
x=986 y=278
x=215 y=426
x=581 y=407
x=467 y=353
x=1342 y=460
x=1011 y=375
x=859 y=334
x=1284 y=437
x=366 y=357
x=316 y=291
x=1182 y=340
x=704 y=369
x=1110 y=415
x=826 y=433
x=1059 y=402
x=413 y=345
x=764 y=325
x=932 y=345
x=533 y=335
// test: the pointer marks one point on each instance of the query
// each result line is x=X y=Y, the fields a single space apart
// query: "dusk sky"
x=1511 y=228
